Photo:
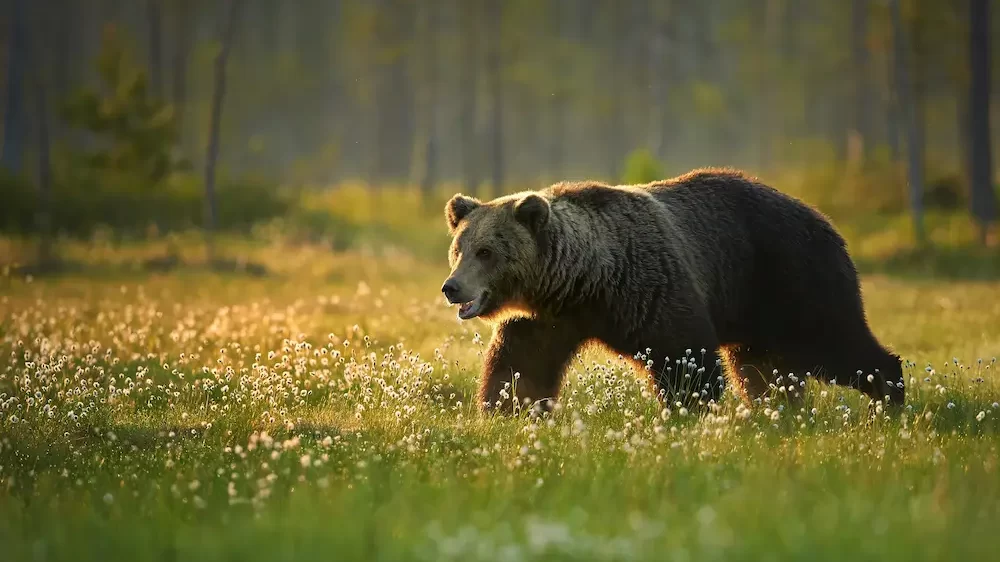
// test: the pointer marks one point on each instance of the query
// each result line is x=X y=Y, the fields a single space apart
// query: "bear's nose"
x=450 y=290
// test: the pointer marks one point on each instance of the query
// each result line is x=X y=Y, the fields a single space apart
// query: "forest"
x=874 y=106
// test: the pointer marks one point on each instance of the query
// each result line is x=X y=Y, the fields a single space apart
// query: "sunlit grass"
x=326 y=411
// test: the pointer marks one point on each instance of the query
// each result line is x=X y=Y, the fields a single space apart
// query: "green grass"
x=325 y=412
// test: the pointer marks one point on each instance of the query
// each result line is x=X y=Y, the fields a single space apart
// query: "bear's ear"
x=457 y=208
x=532 y=212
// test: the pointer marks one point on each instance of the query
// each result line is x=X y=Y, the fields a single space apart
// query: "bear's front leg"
x=538 y=351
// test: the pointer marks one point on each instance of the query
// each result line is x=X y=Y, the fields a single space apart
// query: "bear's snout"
x=451 y=290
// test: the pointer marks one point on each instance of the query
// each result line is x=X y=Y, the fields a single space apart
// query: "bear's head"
x=494 y=254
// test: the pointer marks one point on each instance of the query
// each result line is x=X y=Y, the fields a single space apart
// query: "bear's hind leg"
x=538 y=351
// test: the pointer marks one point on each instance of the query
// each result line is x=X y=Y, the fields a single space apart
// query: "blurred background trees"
x=859 y=106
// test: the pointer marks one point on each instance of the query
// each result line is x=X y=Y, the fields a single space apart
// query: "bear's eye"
x=484 y=253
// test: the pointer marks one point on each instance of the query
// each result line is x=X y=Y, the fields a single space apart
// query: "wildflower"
x=109 y=499
x=980 y=416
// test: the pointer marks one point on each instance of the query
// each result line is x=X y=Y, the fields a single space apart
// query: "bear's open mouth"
x=473 y=308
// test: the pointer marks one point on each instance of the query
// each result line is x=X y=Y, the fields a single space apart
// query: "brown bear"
x=667 y=274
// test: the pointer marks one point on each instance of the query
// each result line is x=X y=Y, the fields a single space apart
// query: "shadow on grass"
x=951 y=264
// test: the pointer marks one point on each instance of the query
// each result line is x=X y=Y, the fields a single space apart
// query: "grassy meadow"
x=324 y=411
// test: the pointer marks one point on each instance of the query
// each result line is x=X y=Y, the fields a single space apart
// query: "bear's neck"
x=575 y=260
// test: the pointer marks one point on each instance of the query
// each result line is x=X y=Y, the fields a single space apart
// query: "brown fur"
x=709 y=260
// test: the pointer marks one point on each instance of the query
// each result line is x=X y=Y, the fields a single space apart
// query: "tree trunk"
x=13 y=136
x=182 y=49
x=911 y=122
x=766 y=116
x=556 y=107
x=393 y=95
x=494 y=65
x=218 y=95
x=615 y=123
x=154 y=13
x=426 y=149
x=656 y=127
x=64 y=43
x=43 y=219
x=893 y=111
x=469 y=75
x=863 y=97
x=556 y=158
x=982 y=202
x=963 y=126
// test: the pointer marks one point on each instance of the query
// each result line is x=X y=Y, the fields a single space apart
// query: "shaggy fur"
x=711 y=260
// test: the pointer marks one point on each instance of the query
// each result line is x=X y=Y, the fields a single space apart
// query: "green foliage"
x=85 y=202
x=641 y=166
x=878 y=187
x=245 y=202
x=352 y=216
x=948 y=191
x=20 y=203
x=706 y=100
x=136 y=133
x=130 y=181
